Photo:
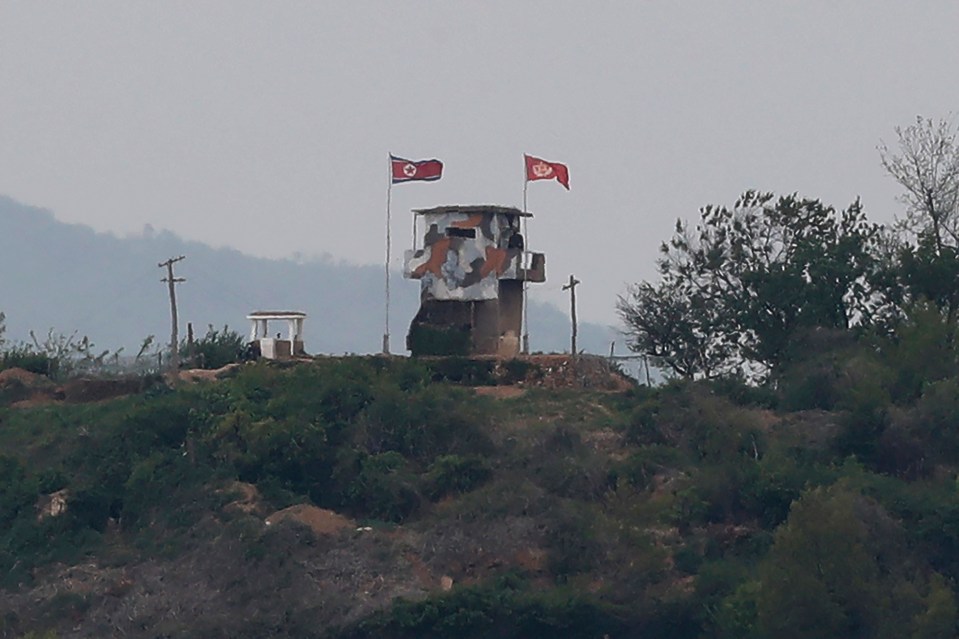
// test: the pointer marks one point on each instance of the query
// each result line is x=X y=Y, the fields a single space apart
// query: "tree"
x=735 y=289
x=927 y=167
x=675 y=326
x=841 y=567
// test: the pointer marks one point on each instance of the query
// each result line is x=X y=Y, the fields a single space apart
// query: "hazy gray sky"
x=266 y=125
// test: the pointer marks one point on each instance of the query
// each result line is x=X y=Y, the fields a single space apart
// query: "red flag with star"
x=404 y=170
x=537 y=169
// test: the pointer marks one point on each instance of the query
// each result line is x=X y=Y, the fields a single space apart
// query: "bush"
x=17 y=491
x=643 y=425
x=571 y=540
x=463 y=370
x=742 y=393
x=454 y=474
x=216 y=349
x=25 y=357
x=385 y=488
x=506 y=609
x=640 y=468
x=421 y=425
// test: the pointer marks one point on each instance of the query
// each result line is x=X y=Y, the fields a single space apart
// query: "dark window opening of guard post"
x=452 y=231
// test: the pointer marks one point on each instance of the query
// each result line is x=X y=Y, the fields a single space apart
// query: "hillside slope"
x=369 y=497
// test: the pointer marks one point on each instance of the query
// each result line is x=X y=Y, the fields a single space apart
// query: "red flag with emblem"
x=537 y=169
x=415 y=170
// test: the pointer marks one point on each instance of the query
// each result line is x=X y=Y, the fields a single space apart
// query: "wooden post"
x=171 y=283
x=571 y=287
x=190 y=345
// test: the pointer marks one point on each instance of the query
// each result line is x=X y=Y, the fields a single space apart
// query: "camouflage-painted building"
x=471 y=267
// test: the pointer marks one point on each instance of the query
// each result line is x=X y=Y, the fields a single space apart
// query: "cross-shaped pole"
x=571 y=287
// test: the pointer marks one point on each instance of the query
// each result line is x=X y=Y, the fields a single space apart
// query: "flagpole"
x=524 y=264
x=389 y=195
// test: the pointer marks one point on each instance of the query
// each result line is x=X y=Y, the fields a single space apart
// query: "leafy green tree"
x=676 y=327
x=930 y=273
x=921 y=351
x=735 y=289
x=841 y=567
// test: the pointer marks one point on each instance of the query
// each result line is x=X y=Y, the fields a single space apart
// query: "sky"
x=266 y=126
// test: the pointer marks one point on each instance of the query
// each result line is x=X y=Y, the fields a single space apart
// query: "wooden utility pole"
x=171 y=283
x=571 y=287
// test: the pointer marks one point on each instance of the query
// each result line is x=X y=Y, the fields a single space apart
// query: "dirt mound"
x=582 y=371
x=207 y=375
x=24 y=378
x=24 y=389
x=247 y=500
x=320 y=521
x=19 y=387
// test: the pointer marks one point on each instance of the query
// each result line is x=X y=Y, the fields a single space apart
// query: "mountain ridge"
x=69 y=277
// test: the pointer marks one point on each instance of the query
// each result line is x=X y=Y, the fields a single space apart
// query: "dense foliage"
x=215 y=349
x=721 y=510
x=742 y=290
x=739 y=286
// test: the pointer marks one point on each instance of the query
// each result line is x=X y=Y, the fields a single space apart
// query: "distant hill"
x=70 y=278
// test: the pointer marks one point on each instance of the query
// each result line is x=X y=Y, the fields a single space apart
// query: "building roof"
x=277 y=315
x=473 y=208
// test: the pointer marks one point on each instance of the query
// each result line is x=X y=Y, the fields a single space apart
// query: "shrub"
x=742 y=393
x=571 y=542
x=505 y=608
x=463 y=370
x=217 y=348
x=453 y=474
x=421 y=425
x=643 y=425
x=25 y=357
x=385 y=488
x=640 y=468
x=17 y=490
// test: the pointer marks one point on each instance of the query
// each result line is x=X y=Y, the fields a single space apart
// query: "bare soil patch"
x=319 y=520
x=500 y=392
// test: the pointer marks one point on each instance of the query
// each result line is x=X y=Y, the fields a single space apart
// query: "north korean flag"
x=415 y=170
x=537 y=169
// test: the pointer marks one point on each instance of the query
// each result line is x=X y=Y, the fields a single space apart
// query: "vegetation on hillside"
x=705 y=509
x=796 y=479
